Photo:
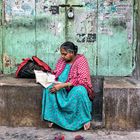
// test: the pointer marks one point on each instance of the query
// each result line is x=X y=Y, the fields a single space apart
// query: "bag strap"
x=42 y=64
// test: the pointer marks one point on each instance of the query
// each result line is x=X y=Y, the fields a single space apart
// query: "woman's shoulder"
x=81 y=57
x=60 y=60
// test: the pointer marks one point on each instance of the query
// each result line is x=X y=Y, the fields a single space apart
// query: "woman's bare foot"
x=50 y=124
x=87 y=126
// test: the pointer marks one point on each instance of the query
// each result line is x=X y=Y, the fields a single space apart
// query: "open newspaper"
x=44 y=78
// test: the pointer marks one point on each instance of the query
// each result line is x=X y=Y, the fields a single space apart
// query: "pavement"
x=32 y=133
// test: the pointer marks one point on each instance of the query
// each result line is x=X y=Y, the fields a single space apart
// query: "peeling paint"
x=6 y=60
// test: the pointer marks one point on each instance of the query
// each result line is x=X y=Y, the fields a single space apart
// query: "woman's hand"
x=56 y=87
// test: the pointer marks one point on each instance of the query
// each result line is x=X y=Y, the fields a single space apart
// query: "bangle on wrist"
x=69 y=84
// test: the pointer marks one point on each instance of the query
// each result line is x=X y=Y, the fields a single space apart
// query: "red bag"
x=27 y=67
x=42 y=64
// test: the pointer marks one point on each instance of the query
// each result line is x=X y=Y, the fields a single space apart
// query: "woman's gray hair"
x=69 y=47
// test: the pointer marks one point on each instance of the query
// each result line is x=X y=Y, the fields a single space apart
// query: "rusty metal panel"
x=19 y=34
x=116 y=44
x=82 y=29
x=50 y=29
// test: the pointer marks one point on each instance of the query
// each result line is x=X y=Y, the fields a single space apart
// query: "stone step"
x=121 y=103
x=20 y=103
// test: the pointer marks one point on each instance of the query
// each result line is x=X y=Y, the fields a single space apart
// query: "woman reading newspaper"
x=68 y=104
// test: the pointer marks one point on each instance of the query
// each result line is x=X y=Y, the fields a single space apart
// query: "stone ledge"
x=121 y=82
x=20 y=103
x=121 y=103
x=12 y=81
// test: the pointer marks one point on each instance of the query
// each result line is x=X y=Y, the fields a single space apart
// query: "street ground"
x=31 y=133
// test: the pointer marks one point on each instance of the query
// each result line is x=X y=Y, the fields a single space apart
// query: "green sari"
x=70 y=110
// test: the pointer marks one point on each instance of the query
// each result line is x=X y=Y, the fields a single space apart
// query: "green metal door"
x=50 y=30
x=102 y=29
x=83 y=29
x=30 y=29
x=54 y=27
x=19 y=33
x=116 y=38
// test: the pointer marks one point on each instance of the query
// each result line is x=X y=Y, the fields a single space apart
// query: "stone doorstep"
x=20 y=103
x=121 y=82
x=121 y=103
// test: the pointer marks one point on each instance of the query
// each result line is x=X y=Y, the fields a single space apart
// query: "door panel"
x=82 y=29
x=115 y=38
x=19 y=33
x=50 y=29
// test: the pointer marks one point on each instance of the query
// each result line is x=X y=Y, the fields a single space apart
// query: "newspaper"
x=44 y=78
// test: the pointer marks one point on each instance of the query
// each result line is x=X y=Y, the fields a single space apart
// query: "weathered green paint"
x=50 y=33
x=19 y=39
x=84 y=22
x=116 y=50
x=34 y=30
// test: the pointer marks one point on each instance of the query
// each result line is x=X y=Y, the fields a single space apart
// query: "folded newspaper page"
x=44 y=78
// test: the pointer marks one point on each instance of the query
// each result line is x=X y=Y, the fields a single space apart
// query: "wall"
x=136 y=73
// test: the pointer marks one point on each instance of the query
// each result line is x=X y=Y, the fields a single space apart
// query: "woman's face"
x=67 y=56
